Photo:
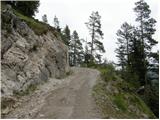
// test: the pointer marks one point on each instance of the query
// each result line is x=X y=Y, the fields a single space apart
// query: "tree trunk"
x=93 y=32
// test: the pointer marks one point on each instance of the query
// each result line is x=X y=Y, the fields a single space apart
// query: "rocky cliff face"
x=27 y=58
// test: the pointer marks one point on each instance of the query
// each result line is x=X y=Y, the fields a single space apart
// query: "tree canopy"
x=28 y=8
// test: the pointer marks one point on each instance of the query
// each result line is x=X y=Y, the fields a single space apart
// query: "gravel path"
x=61 y=98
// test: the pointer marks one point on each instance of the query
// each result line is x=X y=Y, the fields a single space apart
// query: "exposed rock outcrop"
x=28 y=58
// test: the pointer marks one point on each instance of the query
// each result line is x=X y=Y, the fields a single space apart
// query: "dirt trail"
x=70 y=99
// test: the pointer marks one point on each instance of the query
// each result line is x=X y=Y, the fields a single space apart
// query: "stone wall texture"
x=27 y=58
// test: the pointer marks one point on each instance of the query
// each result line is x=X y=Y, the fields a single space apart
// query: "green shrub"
x=92 y=64
x=120 y=102
x=108 y=73
x=125 y=86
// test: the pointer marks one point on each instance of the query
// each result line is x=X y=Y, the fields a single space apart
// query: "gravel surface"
x=61 y=98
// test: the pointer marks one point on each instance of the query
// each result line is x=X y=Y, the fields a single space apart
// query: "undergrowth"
x=117 y=98
x=37 y=26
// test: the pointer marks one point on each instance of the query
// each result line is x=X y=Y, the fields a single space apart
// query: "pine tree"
x=154 y=62
x=56 y=24
x=28 y=8
x=152 y=87
x=123 y=51
x=146 y=30
x=76 y=56
x=66 y=35
x=142 y=64
x=87 y=55
x=99 y=58
x=94 y=26
x=44 y=18
x=135 y=60
x=121 y=55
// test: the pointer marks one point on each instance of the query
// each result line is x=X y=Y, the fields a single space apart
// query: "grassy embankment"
x=116 y=98
x=37 y=26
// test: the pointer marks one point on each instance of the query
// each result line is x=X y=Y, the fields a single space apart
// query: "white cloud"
x=76 y=12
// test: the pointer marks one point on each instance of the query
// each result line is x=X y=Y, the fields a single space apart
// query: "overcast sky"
x=114 y=13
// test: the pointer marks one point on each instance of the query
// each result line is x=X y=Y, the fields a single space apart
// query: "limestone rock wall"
x=27 y=58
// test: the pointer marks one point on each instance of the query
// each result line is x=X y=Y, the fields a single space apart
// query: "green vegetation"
x=115 y=93
x=38 y=27
x=108 y=73
x=120 y=102
x=26 y=8
x=139 y=64
x=143 y=106
x=76 y=50
x=117 y=98
x=96 y=34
